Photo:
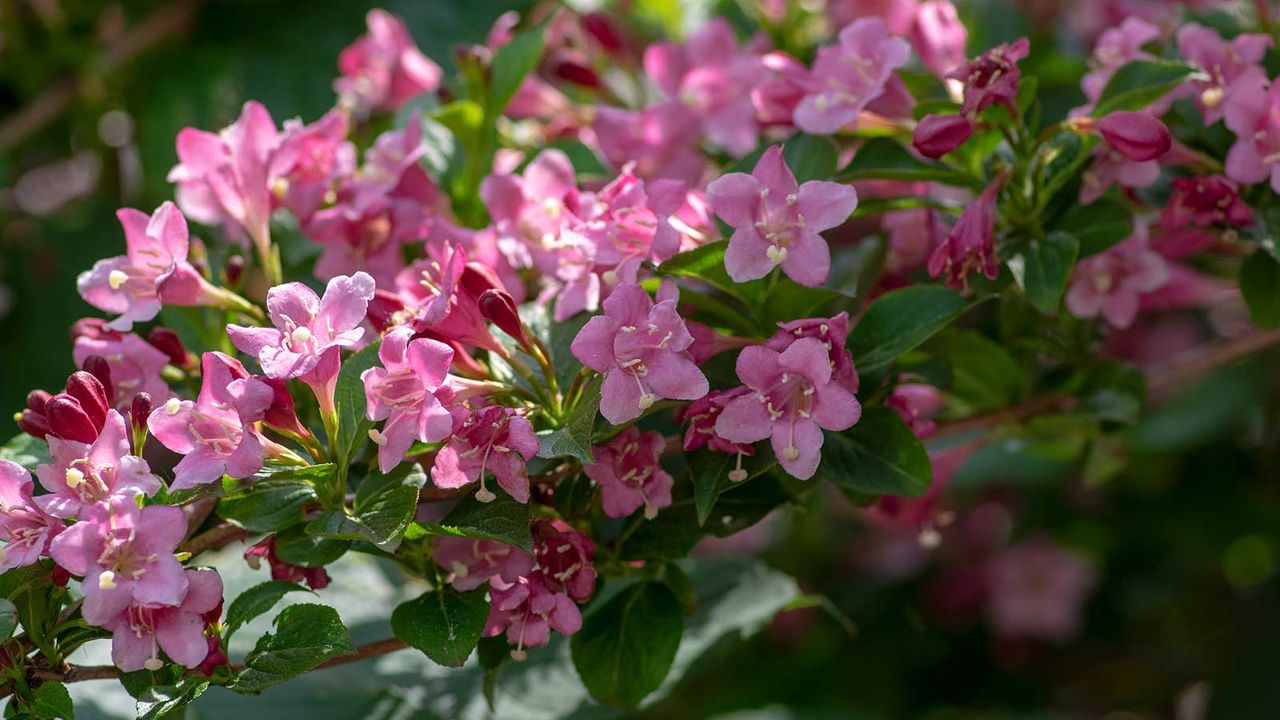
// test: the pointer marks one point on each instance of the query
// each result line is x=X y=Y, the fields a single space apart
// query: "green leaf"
x=1260 y=285
x=277 y=502
x=625 y=647
x=810 y=157
x=306 y=635
x=8 y=619
x=706 y=263
x=157 y=703
x=882 y=158
x=26 y=451
x=709 y=472
x=444 y=624
x=573 y=438
x=878 y=456
x=900 y=320
x=788 y=300
x=983 y=374
x=511 y=64
x=348 y=400
x=504 y=520
x=1047 y=265
x=1140 y=83
x=296 y=547
x=385 y=504
x=1098 y=225
x=51 y=701
x=255 y=601
x=674 y=532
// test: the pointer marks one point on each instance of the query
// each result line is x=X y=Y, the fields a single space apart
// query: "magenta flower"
x=225 y=177
x=81 y=474
x=794 y=400
x=1117 y=47
x=215 y=433
x=849 y=75
x=937 y=135
x=832 y=332
x=971 y=244
x=701 y=416
x=472 y=562
x=309 y=332
x=661 y=140
x=776 y=221
x=384 y=69
x=992 y=78
x=1254 y=116
x=25 y=529
x=1225 y=64
x=493 y=439
x=1198 y=211
x=140 y=632
x=1112 y=283
x=565 y=559
x=938 y=36
x=309 y=161
x=153 y=272
x=135 y=364
x=316 y=578
x=125 y=555
x=641 y=348
x=441 y=294
x=1037 y=589
x=629 y=475
x=1138 y=136
x=402 y=392
x=1109 y=167
x=527 y=612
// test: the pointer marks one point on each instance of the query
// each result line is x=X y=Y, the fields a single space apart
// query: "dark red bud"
x=168 y=342
x=93 y=328
x=68 y=420
x=34 y=423
x=603 y=30
x=97 y=366
x=937 y=135
x=282 y=413
x=1138 y=136
x=576 y=71
x=499 y=308
x=92 y=397
x=36 y=400
x=234 y=270
x=60 y=575
x=140 y=410
x=477 y=278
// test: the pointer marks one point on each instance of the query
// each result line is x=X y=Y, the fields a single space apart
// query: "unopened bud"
x=601 y=27
x=168 y=342
x=97 y=366
x=574 y=69
x=234 y=270
x=68 y=420
x=499 y=308
x=34 y=423
x=937 y=135
x=37 y=399
x=139 y=411
x=1138 y=136
x=282 y=414
x=91 y=395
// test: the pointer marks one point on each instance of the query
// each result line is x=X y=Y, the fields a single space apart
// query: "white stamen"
x=172 y=405
x=791 y=453
x=485 y=495
x=777 y=255
x=301 y=334
x=610 y=277
x=153 y=664
x=117 y=278
x=74 y=478
x=378 y=438
x=107 y=581
x=647 y=400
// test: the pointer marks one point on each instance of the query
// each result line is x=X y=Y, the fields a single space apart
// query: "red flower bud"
x=1137 y=136
x=139 y=411
x=68 y=420
x=36 y=400
x=91 y=396
x=499 y=308
x=34 y=423
x=601 y=27
x=282 y=414
x=168 y=342
x=937 y=135
x=234 y=270
x=477 y=278
x=574 y=68
x=97 y=366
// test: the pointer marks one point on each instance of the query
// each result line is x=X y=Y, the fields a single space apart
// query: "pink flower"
x=661 y=140
x=938 y=36
x=316 y=578
x=794 y=400
x=1198 y=211
x=1224 y=62
x=565 y=559
x=1111 y=283
x=309 y=161
x=135 y=364
x=384 y=69
x=849 y=75
x=441 y=294
x=527 y=612
x=1109 y=167
x=309 y=332
x=832 y=332
x=992 y=78
x=1254 y=116
x=917 y=403
x=472 y=562
x=629 y=475
x=25 y=529
x=215 y=433
x=701 y=415
x=493 y=439
x=81 y=474
x=776 y=96
x=140 y=632
x=710 y=76
x=971 y=244
x=225 y=177
x=641 y=348
x=153 y=272
x=1138 y=136
x=776 y=221
x=1116 y=48
x=402 y=392
x=1037 y=589
x=125 y=555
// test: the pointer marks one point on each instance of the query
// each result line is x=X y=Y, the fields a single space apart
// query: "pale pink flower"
x=776 y=221
x=527 y=612
x=1037 y=589
x=471 y=562
x=490 y=439
x=832 y=332
x=898 y=15
x=938 y=36
x=1254 y=116
x=629 y=474
x=793 y=400
x=25 y=529
x=641 y=349
x=848 y=75
x=81 y=474
x=140 y=632
x=402 y=392
x=1225 y=63
x=384 y=69
x=1116 y=47
x=310 y=161
x=1111 y=283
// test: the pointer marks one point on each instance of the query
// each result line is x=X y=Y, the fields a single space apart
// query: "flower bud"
x=90 y=394
x=36 y=400
x=574 y=68
x=281 y=414
x=937 y=135
x=139 y=411
x=168 y=342
x=68 y=420
x=97 y=366
x=601 y=27
x=234 y=270
x=499 y=308
x=1137 y=136
x=33 y=423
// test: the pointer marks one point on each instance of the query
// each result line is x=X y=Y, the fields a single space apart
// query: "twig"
x=216 y=537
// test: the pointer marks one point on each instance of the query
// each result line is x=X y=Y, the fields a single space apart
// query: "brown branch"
x=218 y=536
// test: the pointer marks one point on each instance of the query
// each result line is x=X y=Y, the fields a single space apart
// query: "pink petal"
x=619 y=397
x=808 y=259
x=744 y=420
x=806 y=437
x=593 y=345
x=676 y=377
x=735 y=198
x=745 y=259
x=825 y=205
x=181 y=636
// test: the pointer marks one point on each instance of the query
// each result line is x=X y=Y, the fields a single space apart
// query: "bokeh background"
x=1181 y=606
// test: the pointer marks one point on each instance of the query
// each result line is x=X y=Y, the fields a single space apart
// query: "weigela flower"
x=135 y=364
x=701 y=416
x=1254 y=117
x=81 y=474
x=402 y=392
x=527 y=612
x=1117 y=47
x=153 y=272
x=316 y=578
x=848 y=75
x=1199 y=210
x=992 y=78
x=125 y=555
x=494 y=439
x=384 y=69
x=225 y=177
x=794 y=399
x=1138 y=136
x=565 y=559
x=1111 y=283
x=776 y=221
x=1225 y=63
x=25 y=529
x=472 y=562
x=938 y=36
x=629 y=475
x=140 y=632
x=1109 y=167
x=661 y=140
x=971 y=244
x=917 y=403
x=832 y=332
x=1036 y=590
x=309 y=161
x=441 y=293
x=641 y=348
x=216 y=432
x=777 y=95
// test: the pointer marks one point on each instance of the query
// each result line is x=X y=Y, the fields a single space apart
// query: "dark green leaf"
x=26 y=451
x=706 y=263
x=1140 y=83
x=51 y=701
x=8 y=619
x=511 y=64
x=674 y=532
x=444 y=624
x=1260 y=284
x=886 y=159
x=625 y=647
x=789 y=300
x=504 y=520
x=1047 y=265
x=878 y=456
x=709 y=472
x=573 y=438
x=296 y=547
x=156 y=703
x=255 y=601
x=348 y=400
x=984 y=375
x=810 y=157
x=277 y=502
x=385 y=504
x=1098 y=225
x=900 y=320
x=306 y=635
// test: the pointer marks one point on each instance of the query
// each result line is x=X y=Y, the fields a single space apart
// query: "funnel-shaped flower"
x=848 y=75
x=140 y=632
x=81 y=474
x=492 y=439
x=384 y=69
x=25 y=529
x=971 y=244
x=628 y=473
x=402 y=392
